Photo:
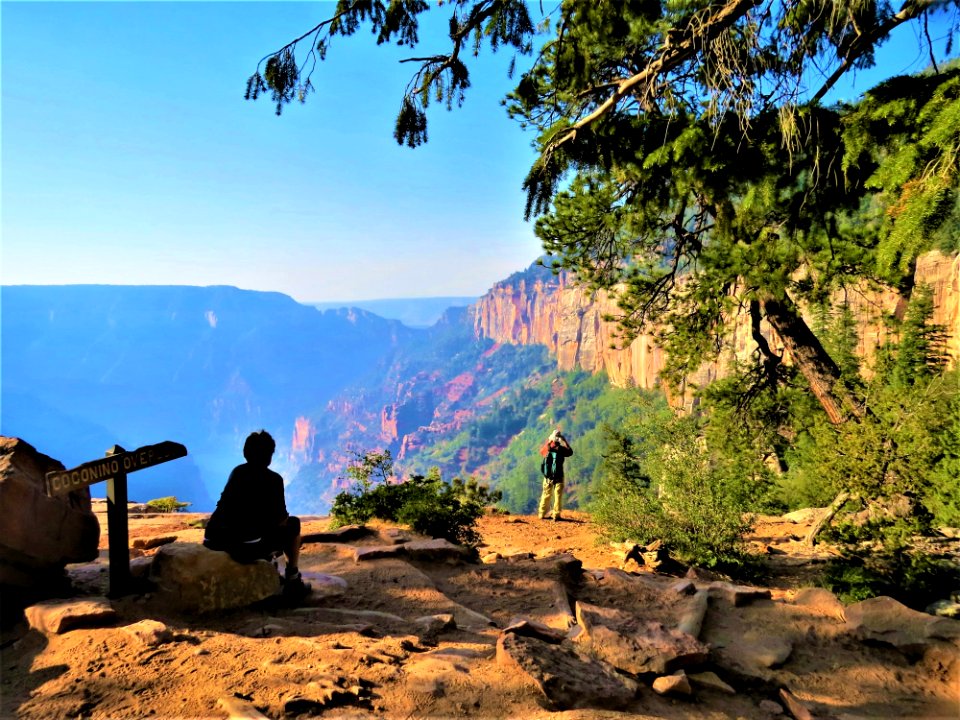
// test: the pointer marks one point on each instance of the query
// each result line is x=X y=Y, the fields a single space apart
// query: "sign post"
x=113 y=469
x=117 y=528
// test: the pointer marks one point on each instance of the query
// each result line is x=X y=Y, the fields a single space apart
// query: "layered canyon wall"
x=569 y=320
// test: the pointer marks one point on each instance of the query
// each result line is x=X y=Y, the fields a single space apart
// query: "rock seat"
x=193 y=579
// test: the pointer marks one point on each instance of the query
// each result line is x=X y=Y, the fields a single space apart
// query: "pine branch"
x=911 y=10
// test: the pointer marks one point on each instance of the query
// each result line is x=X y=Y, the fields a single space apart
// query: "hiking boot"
x=294 y=588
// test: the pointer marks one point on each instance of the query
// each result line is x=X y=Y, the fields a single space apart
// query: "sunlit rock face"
x=569 y=320
x=41 y=534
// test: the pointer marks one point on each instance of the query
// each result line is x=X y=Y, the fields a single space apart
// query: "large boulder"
x=193 y=579
x=40 y=534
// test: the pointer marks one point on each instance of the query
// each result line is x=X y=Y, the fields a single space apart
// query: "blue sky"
x=129 y=156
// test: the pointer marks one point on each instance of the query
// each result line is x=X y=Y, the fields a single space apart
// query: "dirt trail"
x=361 y=653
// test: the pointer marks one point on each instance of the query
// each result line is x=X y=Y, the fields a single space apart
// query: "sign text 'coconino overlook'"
x=64 y=481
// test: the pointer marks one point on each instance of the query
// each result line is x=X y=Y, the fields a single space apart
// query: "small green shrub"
x=166 y=505
x=427 y=504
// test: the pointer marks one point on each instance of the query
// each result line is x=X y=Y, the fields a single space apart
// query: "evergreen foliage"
x=425 y=503
x=667 y=485
x=901 y=446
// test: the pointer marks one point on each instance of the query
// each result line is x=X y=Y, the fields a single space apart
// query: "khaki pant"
x=552 y=488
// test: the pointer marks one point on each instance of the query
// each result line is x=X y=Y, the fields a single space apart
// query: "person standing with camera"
x=554 y=451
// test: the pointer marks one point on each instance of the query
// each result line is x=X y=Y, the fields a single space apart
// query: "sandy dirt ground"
x=359 y=653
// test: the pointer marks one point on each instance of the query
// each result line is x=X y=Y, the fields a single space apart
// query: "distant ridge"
x=86 y=367
x=412 y=312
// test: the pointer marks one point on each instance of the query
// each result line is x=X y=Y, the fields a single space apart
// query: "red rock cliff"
x=569 y=321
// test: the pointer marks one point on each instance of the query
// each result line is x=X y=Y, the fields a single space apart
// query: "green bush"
x=427 y=504
x=667 y=486
x=166 y=505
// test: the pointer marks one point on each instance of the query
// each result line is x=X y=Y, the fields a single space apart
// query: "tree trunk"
x=810 y=358
x=832 y=510
x=821 y=374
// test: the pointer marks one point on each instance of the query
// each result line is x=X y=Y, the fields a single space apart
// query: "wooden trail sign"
x=60 y=482
x=113 y=470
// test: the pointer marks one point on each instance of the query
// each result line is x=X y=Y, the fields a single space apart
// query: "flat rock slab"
x=757 y=651
x=54 y=617
x=634 y=645
x=737 y=595
x=711 y=681
x=565 y=678
x=469 y=619
x=534 y=629
x=432 y=625
x=884 y=619
x=435 y=550
x=378 y=552
x=430 y=673
x=323 y=585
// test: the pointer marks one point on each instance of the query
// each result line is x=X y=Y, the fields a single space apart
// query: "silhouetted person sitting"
x=251 y=521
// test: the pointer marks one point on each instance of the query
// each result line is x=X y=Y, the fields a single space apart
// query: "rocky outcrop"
x=883 y=619
x=301 y=445
x=41 y=534
x=565 y=678
x=569 y=320
x=633 y=645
